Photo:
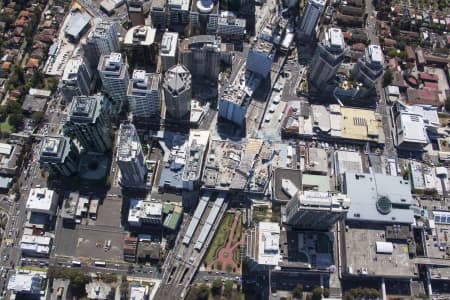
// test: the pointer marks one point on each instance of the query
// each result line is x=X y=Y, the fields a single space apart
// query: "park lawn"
x=5 y=126
x=238 y=232
x=237 y=255
x=220 y=238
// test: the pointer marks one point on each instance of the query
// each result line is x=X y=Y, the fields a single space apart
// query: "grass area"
x=220 y=238
x=237 y=255
x=5 y=126
x=238 y=233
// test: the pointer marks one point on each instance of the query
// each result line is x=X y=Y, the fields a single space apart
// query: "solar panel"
x=437 y=219
x=448 y=220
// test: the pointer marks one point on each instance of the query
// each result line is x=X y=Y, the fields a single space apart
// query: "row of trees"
x=217 y=290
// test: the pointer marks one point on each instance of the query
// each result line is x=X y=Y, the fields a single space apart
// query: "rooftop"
x=143 y=81
x=375 y=54
x=362 y=257
x=178 y=4
x=112 y=65
x=25 y=283
x=144 y=209
x=293 y=176
x=268 y=243
x=128 y=146
x=54 y=148
x=177 y=79
x=378 y=198
x=85 y=109
x=169 y=44
x=140 y=35
x=77 y=23
x=42 y=199
x=197 y=145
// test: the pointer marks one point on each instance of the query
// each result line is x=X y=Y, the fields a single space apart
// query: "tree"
x=326 y=293
x=38 y=117
x=297 y=292
x=228 y=288
x=316 y=293
x=16 y=120
x=198 y=293
x=216 y=287
x=387 y=77
x=13 y=108
x=219 y=265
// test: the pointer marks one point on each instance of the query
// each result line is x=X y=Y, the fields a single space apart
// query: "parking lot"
x=88 y=239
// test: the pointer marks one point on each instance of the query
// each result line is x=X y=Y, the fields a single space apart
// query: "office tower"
x=144 y=96
x=140 y=42
x=230 y=27
x=130 y=158
x=103 y=39
x=260 y=58
x=177 y=92
x=247 y=11
x=369 y=68
x=169 y=50
x=316 y=210
x=158 y=14
x=76 y=79
x=59 y=154
x=89 y=122
x=201 y=55
x=203 y=16
x=114 y=75
x=137 y=10
x=328 y=57
x=311 y=15
x=178 y=12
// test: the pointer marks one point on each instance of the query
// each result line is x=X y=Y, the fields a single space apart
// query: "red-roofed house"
x=428 y=77
x=423 y=96
x=431 y=85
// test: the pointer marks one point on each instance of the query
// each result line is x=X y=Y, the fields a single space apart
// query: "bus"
x=100 y=264
x=76 y=263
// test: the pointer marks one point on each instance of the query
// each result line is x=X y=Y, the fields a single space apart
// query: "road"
x=383 y=107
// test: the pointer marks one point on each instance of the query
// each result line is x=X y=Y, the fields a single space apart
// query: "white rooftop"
x=138 y=292
x=376 y=54
x=42 y=200
x=413 y=128
x=336 y=38
x=268 y=243
x=5 y=149
x=25 y=283
x=169 y=44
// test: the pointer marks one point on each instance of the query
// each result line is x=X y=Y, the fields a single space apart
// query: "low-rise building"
x=42 y=200
x=98 y=290
x=9 y=153
x=378 y=199
x=35 y=246
x=143 y=212
x=27 y=285
x=410 y=127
